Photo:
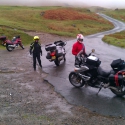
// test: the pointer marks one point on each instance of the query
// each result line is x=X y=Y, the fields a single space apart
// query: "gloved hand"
x=30 y=51
x=89 y=54
x=78 y=58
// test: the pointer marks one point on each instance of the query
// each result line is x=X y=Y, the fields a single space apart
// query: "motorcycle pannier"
x=118 y=64
x=3 y=38
x=117 y=79
x=93 y=61
x=50 y=47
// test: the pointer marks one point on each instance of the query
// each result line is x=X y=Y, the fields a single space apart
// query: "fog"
x=79 y=3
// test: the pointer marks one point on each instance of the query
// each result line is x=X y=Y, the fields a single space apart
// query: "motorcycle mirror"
x=93 y=50
x=65 y=43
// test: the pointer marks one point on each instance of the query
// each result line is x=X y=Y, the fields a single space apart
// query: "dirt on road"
x=26 y=99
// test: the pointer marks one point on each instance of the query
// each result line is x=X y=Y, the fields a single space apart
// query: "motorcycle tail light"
x=53 y=53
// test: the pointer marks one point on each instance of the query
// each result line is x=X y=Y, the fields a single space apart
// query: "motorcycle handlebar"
x=82 y=58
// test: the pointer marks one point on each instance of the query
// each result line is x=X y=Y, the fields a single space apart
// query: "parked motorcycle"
x=56 y=52
x=89 y=72
x=12 y=44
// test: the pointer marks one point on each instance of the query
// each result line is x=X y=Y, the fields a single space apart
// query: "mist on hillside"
x=41 y=3
x=74 y=3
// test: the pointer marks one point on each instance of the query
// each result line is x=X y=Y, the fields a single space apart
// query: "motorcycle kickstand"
x=101 y=85
x=99 y=90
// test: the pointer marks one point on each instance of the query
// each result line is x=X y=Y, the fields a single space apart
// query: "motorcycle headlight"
x=76 y=69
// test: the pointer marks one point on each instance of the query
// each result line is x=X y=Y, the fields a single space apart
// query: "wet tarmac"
x=105 y=103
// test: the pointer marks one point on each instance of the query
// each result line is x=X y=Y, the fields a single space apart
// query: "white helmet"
x=80 y=37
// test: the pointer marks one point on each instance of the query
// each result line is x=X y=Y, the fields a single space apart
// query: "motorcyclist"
x=35 y=49
x=78 y=47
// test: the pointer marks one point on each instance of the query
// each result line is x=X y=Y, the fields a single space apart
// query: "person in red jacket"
x=78 y=47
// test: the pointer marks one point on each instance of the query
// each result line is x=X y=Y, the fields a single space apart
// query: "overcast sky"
x=103 y=3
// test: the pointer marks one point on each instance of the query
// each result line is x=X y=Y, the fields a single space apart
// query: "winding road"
x=105 y=103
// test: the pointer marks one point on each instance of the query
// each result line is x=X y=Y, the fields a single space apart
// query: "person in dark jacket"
x=35 y=49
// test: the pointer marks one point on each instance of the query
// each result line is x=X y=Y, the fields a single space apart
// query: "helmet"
x=36 y=38
x=14 y=37
x=80 y=37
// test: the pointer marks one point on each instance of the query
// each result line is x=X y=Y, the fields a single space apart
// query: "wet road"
x=105 y=102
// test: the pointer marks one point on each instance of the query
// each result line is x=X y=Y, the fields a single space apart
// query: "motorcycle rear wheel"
x=119 y=92
x=9 y=48
x=64 y=58
x=57 y=62
x=76 y=80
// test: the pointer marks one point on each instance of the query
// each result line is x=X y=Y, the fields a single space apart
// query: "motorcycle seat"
x=103 y=72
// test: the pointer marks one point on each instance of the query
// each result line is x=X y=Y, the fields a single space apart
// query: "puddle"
x=11 y=70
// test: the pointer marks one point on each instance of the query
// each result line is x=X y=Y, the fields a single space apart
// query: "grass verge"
x=116 y=39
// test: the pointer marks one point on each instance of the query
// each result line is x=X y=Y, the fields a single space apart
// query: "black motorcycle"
x=88 y=72
x=56 y=52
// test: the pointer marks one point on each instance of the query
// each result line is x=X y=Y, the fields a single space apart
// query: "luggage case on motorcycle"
x=93 y=61
x=117 y=79
x=59 y=43
x=118 y=64
x=50 y=47
x=3 y=38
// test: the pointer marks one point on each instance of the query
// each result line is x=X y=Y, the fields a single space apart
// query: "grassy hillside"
x=54 y=20
x=117 y=14
x=117 y=39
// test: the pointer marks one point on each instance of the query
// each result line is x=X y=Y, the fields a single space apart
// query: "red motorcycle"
x=11 y=44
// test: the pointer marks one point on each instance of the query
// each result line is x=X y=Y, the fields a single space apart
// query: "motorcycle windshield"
x=13 y=40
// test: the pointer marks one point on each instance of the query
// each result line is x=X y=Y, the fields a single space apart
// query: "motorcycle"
x=56 y=52
x=88 y=72
x=3 y=39
x=12 y=44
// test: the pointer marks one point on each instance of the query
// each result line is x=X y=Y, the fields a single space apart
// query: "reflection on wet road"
x=105 y=102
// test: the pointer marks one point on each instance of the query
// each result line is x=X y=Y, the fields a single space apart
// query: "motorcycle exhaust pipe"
x=11 y=46
x=86 y=78
x=111 y=87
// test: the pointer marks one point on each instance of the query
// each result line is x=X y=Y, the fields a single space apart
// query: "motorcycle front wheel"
x=120 y=91
x=76 y=80
x=9 y=48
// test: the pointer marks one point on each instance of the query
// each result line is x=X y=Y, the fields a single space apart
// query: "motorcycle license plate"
x=53 y=57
